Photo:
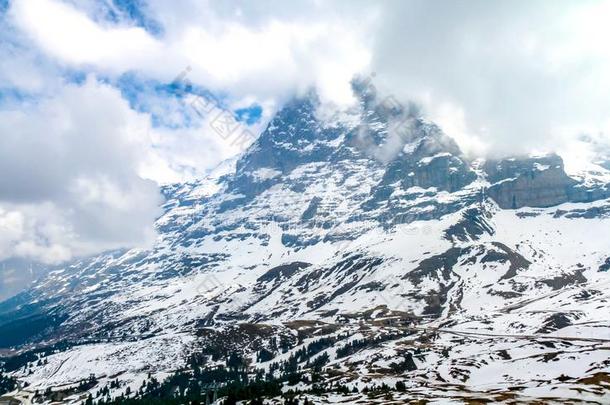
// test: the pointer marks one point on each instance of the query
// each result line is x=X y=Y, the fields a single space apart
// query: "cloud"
x=506 y=76
x=71 y=183
x=72 y=36
x=501 y=77
x=81 y=169
x=268 y=58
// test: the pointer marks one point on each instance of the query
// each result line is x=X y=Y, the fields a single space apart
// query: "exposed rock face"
x=473 y=224
x=555 y=322
x=294 y=137
x=445 y=172
x=535 y=182
x=432 y=159
x=532 y=182
x=580 y=193
x=605 y=266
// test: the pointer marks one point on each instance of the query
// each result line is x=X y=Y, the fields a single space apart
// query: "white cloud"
x=73 y=37
x=273 y=58
x=500 y=76
x=81 y=170
x=71 y=182
x=20 y=72
x=506 y=76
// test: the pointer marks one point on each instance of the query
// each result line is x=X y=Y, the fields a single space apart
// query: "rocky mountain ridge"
x=373 y=227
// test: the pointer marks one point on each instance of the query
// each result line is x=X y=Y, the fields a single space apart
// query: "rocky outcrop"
x=605 y=266
x=432 y=159
x=535 y=182
x=532 y=182
x=473 y=224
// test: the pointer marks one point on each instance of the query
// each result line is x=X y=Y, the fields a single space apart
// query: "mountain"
x=362 y=252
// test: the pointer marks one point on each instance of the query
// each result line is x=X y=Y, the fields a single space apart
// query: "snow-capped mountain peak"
x=372 y=229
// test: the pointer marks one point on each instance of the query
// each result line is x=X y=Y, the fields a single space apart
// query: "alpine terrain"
x=358 y=257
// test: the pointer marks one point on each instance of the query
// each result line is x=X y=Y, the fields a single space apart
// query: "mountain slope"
x=370 y=230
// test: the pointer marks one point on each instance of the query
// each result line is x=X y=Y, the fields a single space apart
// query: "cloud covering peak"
x=90 y=126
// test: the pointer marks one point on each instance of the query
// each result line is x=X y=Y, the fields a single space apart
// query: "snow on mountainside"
x=487 y=279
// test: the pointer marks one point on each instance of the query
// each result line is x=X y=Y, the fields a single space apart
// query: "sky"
x=92 y=122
